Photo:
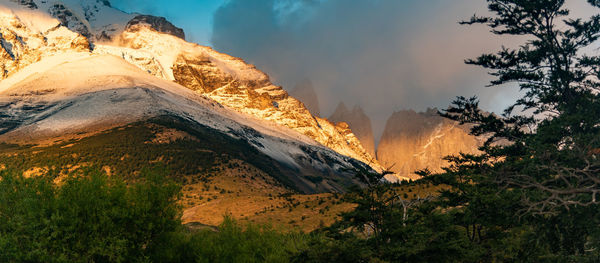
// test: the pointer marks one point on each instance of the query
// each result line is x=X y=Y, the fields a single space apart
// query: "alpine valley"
x=83 y=84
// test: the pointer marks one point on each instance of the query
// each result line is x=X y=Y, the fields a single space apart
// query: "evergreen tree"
x=539 y=170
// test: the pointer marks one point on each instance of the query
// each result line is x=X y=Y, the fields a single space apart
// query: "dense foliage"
x=233 y=242
x=91 y=217
x=539 y=169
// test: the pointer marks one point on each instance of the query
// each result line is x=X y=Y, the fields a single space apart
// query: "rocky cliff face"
x=305 y=92
x=68 y=19
x=414 y=141
x=360 y=124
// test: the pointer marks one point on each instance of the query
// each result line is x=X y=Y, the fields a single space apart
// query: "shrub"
x=89 y=218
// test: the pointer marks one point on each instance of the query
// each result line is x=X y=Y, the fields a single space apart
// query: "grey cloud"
x=384 y=55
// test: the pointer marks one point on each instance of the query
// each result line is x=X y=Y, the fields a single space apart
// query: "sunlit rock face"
x=414 y=141
x=305 y=92
x=360 y=124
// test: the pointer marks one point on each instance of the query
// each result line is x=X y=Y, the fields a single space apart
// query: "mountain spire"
x=359 y=123
x=414 y=141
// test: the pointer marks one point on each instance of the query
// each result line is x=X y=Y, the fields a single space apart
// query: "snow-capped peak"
x=158 y=48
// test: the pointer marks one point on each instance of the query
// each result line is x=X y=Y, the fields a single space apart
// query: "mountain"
x=51 y=28
x=305 y=92
x=359 y=123
x=60 y=83
x=233 y=83
x=414 y=141
x=73 y=96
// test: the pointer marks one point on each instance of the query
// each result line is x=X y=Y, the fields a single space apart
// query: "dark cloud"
x=382 y=54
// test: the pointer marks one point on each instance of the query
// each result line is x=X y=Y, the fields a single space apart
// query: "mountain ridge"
x=44 y=106
x=235 y=84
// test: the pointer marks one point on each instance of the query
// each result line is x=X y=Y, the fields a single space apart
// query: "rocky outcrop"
x=21 y=45
x=68 y=19
x=200 y=74
x=359 y=123
x=414 y=141
x=305 y=92
x=159 y=24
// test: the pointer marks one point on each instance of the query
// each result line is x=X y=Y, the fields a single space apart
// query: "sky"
x=384 y=55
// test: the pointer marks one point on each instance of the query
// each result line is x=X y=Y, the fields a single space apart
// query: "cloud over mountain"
x=383 y=55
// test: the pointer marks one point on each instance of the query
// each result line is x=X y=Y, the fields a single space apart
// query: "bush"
x=232 y=242
x=89 y=218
